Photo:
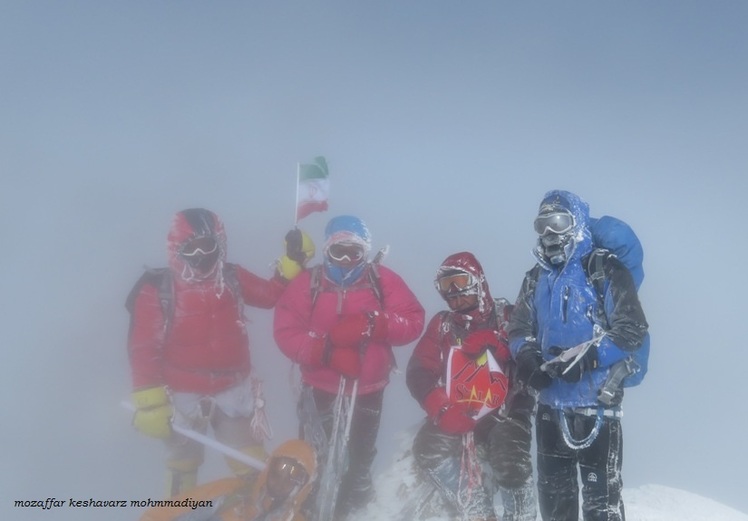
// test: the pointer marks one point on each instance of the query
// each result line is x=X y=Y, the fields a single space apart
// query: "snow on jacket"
x=205 y=348
x=427 y=365
x=299 y=322
x=556 y=307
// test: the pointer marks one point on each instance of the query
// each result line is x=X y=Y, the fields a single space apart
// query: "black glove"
x=529 y=361
x=294 y=243
x=587 y=363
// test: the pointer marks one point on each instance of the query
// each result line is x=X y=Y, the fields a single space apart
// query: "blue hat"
x=348 y=229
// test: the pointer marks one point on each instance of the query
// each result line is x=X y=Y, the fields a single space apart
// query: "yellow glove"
x=153 y=412
x=299 y=250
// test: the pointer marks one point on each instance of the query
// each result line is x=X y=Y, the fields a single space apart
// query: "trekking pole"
x=351 y=406
x=330 y=478
x=337 y=411
x=209 y=442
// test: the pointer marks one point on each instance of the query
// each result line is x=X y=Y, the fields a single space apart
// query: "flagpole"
x=296 y=206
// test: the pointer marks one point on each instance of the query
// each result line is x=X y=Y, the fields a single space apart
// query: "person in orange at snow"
x=278 y=494
x=188 y=345
x=450 y=375
x=339 y=321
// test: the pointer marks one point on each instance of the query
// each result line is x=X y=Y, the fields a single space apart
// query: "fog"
x=443 y=124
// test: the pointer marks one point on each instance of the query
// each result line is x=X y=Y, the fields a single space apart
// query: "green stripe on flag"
x=317 y=169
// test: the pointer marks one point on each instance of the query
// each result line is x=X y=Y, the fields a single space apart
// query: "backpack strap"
x=445 y=326
x=376 y=282
x=155 y=277
x=594 y=267
x=231 y=279
x=160 y=278
x=596 y=271
x=502 y=310
x=532 y=280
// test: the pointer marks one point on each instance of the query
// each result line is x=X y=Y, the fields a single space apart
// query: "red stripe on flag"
x=307 y=207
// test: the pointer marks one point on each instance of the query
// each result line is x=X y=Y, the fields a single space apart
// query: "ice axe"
x=209 y=442
x=574 y=354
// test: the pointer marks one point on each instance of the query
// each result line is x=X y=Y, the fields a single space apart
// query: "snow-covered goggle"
x=453 y=284
x=345 y=252
x=557 y=222
x=199 y=246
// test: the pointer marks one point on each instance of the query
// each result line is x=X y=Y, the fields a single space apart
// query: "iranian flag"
x=313 y=188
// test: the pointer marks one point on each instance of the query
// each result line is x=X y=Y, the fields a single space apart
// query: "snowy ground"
x=646 y=503
x=660 y=503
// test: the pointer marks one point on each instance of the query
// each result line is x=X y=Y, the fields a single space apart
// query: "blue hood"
x=582 y=235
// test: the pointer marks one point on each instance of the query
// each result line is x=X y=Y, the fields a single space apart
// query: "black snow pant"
x=599 y=466
x=509 y=453
x=439 y=456
x=356 y=487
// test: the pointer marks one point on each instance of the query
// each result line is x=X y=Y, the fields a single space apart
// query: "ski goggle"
x=345 y=252
x=460 y=283
x=557 y=222
x=283 y=475
x=199 y=246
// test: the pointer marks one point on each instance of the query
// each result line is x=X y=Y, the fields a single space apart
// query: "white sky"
x=443 y=124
